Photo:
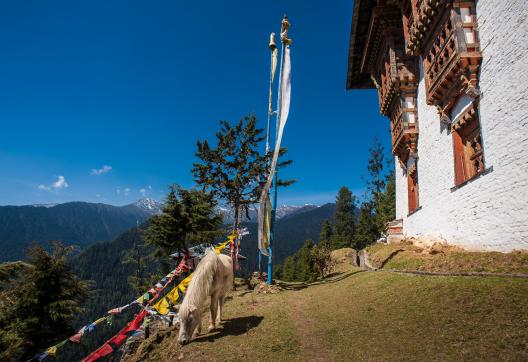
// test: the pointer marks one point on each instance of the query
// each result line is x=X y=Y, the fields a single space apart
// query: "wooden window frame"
x=413 y=192
x=468 y=152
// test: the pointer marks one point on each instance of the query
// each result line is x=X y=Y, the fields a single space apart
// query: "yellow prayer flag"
x=99 y=320
x=52 y=351
x=219 y=248
x=162 y=306
x=185 y=283
x=173 y=296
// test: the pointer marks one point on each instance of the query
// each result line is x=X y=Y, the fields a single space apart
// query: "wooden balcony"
x=451 y=62
x=404 y=129
x=399 y=76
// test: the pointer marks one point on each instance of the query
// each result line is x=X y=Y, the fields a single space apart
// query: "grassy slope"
x=441 y=258
x=366 y=316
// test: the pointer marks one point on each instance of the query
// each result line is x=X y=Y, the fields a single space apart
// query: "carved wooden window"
x=445 y=34
x=467 y=145
x=412 y=188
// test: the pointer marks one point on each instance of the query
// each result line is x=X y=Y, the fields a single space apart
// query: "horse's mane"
x=201 y=282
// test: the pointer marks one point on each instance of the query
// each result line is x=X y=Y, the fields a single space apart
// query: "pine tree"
x=44 y=299
x=344 y=223
x=366 y=230
x=188 y=217
x=235 y=169
x=325 y=236
x=288 y=270
x=277 y=271
x=304 y=266
x=376 y=180
x=387 y=207
x=140 y=259
x=379 y=206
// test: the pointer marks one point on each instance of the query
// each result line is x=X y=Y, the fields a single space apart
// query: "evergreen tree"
x=387 y=207
x=234 y=170
x=325 y=237
x=288 y=270
x=376 y=179
x=189 y=217
x=379 y=206
x=277 y=271
x=304 y=266
x=344 y=223
x=366 y=231
x=44 y=299
x=140 y=258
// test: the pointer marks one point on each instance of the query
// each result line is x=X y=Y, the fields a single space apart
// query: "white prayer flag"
x=284 y=110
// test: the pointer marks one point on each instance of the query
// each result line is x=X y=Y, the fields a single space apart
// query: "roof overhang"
x=358 y=36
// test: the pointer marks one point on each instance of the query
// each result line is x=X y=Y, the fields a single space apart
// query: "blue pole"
x=259 y=262
x=274 y=200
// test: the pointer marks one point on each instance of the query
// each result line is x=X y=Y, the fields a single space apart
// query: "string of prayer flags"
x=133 y=327
x=117 y=341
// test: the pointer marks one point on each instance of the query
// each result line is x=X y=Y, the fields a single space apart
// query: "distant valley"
x=78 y=223
x=84 y=223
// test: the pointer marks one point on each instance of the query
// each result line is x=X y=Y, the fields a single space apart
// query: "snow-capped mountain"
x=47 y=206
x=149 y=205
x=283 y=211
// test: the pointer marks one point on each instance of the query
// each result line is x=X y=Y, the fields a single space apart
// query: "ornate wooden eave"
x=378 y=35
x=452 y=61
x=383 y=56
x=444 y=33
x=425 y=15
x=360 y=23
x=385 y=23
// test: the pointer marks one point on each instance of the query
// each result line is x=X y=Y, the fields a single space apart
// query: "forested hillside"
x=290 y=234
x=103 y=262
x=78 y=223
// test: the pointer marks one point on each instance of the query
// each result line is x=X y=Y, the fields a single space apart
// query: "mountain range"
x=83 y=223
x=282 y=211
x=77 y=223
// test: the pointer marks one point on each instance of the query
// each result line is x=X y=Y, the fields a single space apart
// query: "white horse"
x=213 y=278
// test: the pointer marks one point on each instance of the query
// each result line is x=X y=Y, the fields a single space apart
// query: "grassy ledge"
x=443 y=258
x=360 y=315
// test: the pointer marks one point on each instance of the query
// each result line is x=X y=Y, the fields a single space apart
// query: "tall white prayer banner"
x=264 y=211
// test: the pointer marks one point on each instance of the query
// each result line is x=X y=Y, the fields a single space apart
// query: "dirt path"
x=306 y=329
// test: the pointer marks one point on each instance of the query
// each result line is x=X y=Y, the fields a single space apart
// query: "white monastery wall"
x=491 y=211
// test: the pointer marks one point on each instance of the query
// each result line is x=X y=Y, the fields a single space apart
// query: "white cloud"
x=143 y=191
x=126 y=191
x=101 y=170
x=60 y=183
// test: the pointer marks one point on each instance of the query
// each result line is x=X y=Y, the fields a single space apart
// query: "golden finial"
x=285 y=25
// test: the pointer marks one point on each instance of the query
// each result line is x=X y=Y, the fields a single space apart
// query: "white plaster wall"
x=490 y=212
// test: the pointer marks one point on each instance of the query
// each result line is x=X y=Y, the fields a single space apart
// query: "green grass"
x=375 y=316
x=380 y=253
x=450 y=260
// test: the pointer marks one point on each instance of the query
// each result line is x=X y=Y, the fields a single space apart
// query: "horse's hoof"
x=211 y=328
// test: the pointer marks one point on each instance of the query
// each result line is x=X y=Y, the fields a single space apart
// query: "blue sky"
x=131 y=85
